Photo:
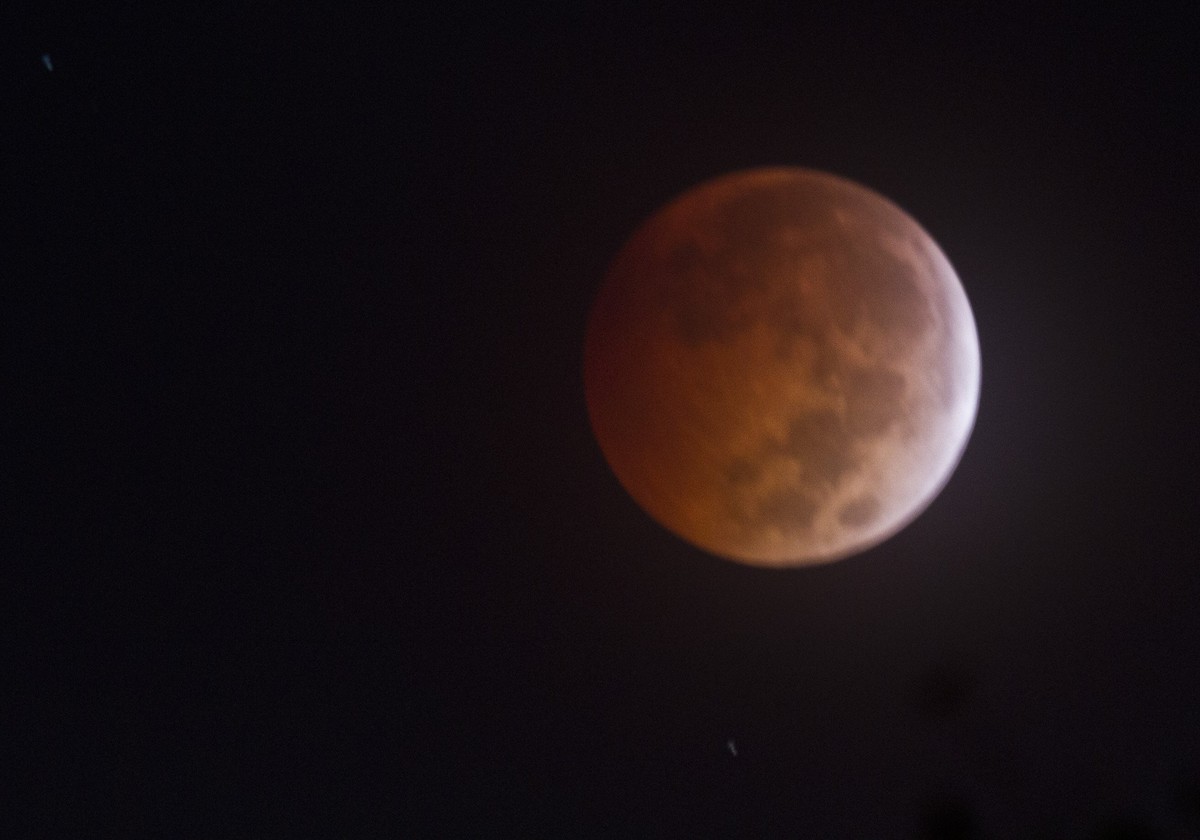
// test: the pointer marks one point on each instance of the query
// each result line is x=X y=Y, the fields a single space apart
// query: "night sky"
x=308 y=531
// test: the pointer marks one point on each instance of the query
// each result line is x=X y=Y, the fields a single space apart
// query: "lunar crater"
x=859 y=512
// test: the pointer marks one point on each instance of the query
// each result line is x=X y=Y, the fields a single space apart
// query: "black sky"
x=309 y=531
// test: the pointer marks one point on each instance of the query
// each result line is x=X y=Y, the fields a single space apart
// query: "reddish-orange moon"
x=781 y=367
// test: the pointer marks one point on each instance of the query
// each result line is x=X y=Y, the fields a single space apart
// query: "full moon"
x=781 y=367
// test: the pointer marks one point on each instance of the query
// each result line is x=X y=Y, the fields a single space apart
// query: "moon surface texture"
x=781 y=367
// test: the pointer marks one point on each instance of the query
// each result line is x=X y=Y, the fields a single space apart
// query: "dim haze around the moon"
x=782 y=367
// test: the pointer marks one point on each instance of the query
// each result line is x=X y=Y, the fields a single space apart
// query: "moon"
x=781 y=367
